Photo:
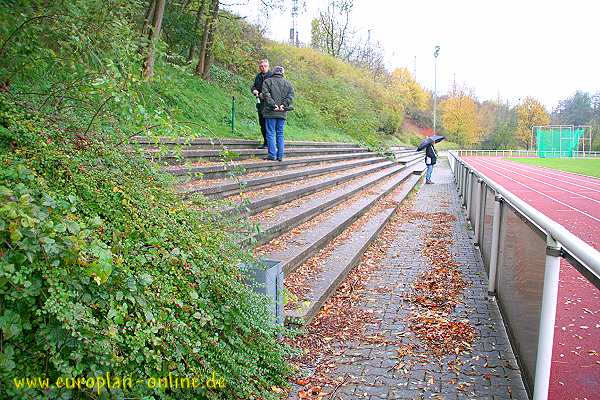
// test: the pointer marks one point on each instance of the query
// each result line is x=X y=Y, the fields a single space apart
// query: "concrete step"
x=334 y=268
x=281 y=194
x=406 y=158
x=177 y=157
x=224 y=187
x=308 y=242
x=403 y=151
x=399 y=148
x=278 y=220
x=212 y=143
x=212 y=170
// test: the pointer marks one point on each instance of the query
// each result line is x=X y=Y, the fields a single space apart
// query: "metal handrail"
x=583 y=252
x=560 y=243
x=527 y=153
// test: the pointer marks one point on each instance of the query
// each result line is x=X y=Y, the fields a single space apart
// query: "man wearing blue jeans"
x=430 y=160
x=278 y=93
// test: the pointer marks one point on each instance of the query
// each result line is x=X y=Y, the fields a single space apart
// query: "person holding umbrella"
x=430 y=154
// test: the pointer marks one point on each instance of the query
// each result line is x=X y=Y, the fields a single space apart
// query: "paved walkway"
x=397 y=365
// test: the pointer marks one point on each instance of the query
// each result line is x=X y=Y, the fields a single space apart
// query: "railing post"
x=465 y=196
x=462 y=180
x=495 y=244
x=469 y=204
x=477 y=221
x=464 y=188
x=233 y=114
x=547 y=320
x=457 y=175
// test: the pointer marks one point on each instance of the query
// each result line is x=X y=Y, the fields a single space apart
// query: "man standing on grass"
x=430 y=160
x=279 y=95
x=263 y=66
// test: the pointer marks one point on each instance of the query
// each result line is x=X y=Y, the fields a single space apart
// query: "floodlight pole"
x=436 y=51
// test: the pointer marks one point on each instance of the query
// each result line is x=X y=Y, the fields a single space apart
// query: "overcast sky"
x=513 y=48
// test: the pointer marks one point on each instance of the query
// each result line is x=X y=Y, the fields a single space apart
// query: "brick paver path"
x=372 y=370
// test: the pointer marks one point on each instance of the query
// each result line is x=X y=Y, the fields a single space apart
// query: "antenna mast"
x=294 y=29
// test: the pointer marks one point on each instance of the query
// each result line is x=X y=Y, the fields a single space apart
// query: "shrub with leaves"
x=102 y=267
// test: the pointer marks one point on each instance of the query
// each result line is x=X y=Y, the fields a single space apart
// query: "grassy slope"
x=334 y=101
x=200 y=108
x=590 y=167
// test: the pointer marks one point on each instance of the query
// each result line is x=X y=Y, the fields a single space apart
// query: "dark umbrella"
x=429 y=141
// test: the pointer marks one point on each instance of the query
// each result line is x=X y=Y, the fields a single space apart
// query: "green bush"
x=102 y=267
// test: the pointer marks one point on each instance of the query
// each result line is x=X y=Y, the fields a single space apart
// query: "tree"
x=576 y=110
x=459 y=118
x=497 y=124
x=413 y=95
x=196 y=35
x=205 y=57
x=331 y=31
x=158 y=10
x=370 y=56
x=530 y=112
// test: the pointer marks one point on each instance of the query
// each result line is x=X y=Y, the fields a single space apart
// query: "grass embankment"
x=200 y=108
x=335 y=101
x=103 y=268
x=590 y=167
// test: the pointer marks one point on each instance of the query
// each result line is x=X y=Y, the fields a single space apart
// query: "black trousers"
x=263 y=127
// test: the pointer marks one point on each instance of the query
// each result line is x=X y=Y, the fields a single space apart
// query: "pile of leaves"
x=341 y=318
x=441 y=335
x=437 y=291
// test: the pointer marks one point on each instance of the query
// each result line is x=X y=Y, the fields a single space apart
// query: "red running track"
x=573 y=201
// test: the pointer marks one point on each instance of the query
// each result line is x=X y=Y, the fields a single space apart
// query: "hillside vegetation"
x=335 y=101
x=102 y=267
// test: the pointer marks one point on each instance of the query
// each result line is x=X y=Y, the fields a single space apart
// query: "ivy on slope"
x=103 y=269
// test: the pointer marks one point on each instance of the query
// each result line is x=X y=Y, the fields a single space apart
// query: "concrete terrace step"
x=399 y=148
x=223 y=187
x=173 y=157
x=308 y=242
x=336 y=266
x=402 y=152
x=224 y=143
x=295 y=191
x=406 y=158
x=219 y=169
x=291 y=214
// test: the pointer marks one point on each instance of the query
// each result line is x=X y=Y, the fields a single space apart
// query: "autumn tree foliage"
x=409 y=91
x=460 y=118
x=530 y=112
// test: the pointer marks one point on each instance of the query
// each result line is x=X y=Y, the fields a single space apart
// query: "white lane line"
x=542 y=193
x=496 y=165
x=546 y=176
x=590 y=180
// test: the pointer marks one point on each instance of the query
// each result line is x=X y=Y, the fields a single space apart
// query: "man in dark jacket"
x=279 y=95
x=263 y=66
x=430 y=160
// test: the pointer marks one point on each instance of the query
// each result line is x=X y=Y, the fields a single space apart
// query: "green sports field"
x=590 y=167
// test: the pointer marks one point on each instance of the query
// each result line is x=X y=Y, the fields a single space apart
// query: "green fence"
x=558 y=141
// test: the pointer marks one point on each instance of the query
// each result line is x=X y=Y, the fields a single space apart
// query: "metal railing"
x=522 y=250
x=527 y=153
